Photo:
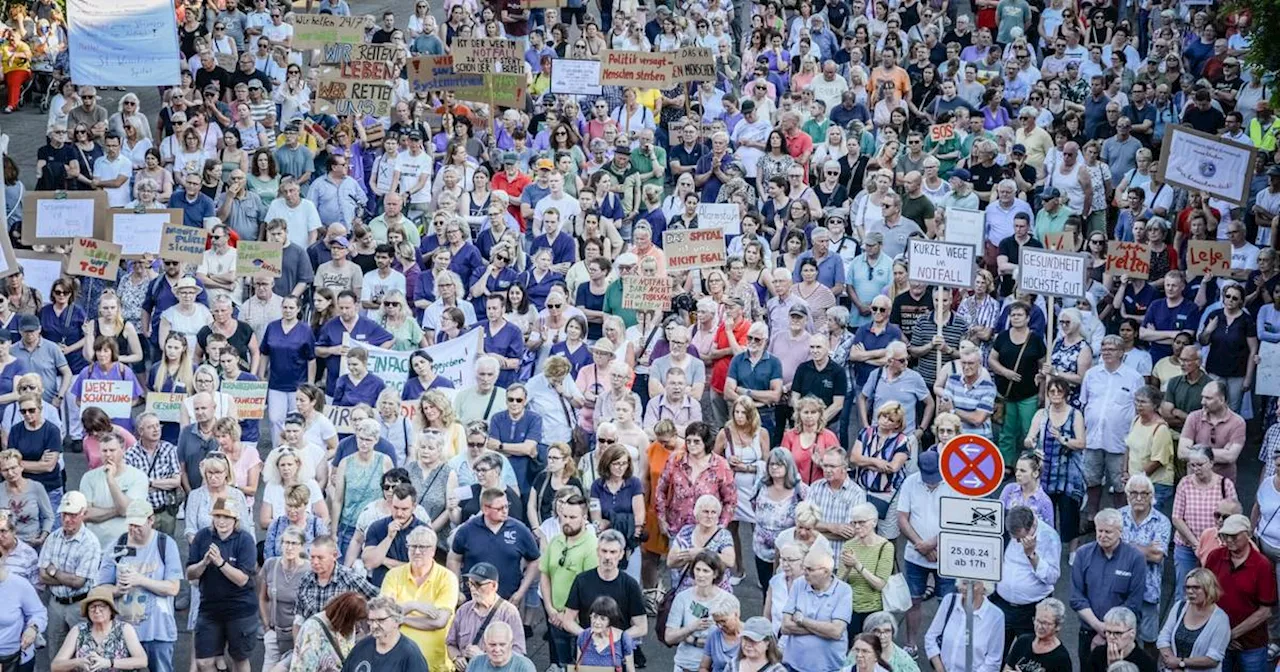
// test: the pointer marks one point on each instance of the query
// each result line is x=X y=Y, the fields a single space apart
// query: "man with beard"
x=577 y=546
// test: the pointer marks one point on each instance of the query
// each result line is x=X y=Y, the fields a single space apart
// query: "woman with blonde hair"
x=435 y=480
x=1197 y=632
x=27 y=383
x=246 y=465
x=111 y=324
x=879 y=456
x=395 y=317
x=436 y=413
x=283 y=469
x=173 y=374
x=805 y=532
x=809 y=440
x=206 y=379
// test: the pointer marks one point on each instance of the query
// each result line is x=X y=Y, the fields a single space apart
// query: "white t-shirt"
x=566 y=205
x=273 y=494
x=922 y=506
x=212 y=263
x=106 y=169
x=302 y=220
x=1245 y=256
x=375 y=286
x=410 y=168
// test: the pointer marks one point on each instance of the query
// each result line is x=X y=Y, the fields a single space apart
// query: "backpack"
x=161 y=543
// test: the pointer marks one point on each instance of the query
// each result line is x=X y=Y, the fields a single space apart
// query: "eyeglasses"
x=1119 y=633
x=555 y=305
x=879 y=309
x=607 y=442
x=515 y=400
x=755 y=339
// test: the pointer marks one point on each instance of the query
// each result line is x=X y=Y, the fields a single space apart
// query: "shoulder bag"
x=664 y=609
x=997 y=413
x=614 y=659
x=895 y=597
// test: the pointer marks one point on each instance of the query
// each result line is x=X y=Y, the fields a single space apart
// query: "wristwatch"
x=1182 y=664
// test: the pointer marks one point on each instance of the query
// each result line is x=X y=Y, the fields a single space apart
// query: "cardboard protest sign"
x=250 y=397
x=435 y=73
x=313 y=31
x=643 y=292
x=183 y=243
x=576 y=76
x=934 y=262
x=692 y=64
x=1203 y=162
x=166 y=405
x=965 y=226
x=1065 y=241
x=58 y=217
x=1208 y=257
x=347 y=97
x=942 y=132
x=259 y=259
x=92 y=258
x=723 y=216
x=340 y=416
x=693 y=248
x=483 y=55
x=1131 y=259
x=640 y=69
x=140 y=232
x=114 y=397
x=1267 y=382
x=361 y=61
x=1052 y=273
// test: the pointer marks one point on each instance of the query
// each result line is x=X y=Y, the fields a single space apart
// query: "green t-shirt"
x=563 y=563
x=643 y=164
x=816 y=131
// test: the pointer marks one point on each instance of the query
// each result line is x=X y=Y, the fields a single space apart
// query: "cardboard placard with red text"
x=1131 y=259
x=693 y=248
x=1208 y=257
x=92 y=258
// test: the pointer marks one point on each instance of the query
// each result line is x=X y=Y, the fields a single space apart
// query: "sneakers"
x=735 y=579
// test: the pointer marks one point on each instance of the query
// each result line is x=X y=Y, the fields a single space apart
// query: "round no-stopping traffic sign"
x=972 y=465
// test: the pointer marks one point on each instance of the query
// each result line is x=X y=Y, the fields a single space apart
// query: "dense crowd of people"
x=604 y=481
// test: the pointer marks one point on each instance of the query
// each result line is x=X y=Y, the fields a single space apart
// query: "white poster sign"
x=39 y=270
x=114 y=397
x=935 y=262
x=1268 y=383
x=123 y=42
x=965 y=226
x=575 y=76
x=720 y=216
x=1052 y=273
x=392 y=366
x=1202 y=162
x=139 y=233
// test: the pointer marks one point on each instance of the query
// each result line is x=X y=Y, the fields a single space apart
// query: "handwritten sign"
x=313 y=31
x=635 y=68
x=942 y=132
x=92 y=258
x=640 y=292
x=166 y=405
x=576 y=76
x=1131 y=259
x=480 y=56
x=693 y=248
x=692 y=64
x=347 y=53
x=965 y=226
x=139 y=233
x=353 y=97
x=40 y=269
x=1199 y=161
x=250 y=397
x=1209 y=257
x=340 y=416
x=183 y=243
x=114 y=397
x=9 y=261
x=259 y=259
x=1268 y=370
x=1065 y=241
x=934 y=262
x=1052 y=273
x=723 y=216
x=435 y=73
x=123 y=42
x=58 y=217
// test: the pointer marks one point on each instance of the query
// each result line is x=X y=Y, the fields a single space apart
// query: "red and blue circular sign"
x=972 y=465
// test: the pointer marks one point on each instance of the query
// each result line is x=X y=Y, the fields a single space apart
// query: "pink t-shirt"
x=249 y=459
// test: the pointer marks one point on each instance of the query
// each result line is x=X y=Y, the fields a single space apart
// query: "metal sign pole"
x=968 y=625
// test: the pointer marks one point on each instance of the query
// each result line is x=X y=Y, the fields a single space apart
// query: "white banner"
x=123 y=42
x=454 y=360
x=1268 y=382
x=575 y=76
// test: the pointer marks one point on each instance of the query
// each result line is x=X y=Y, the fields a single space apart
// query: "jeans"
x=1184 y=560
x=1249 y=660
x=562 y=646
x=159 y=656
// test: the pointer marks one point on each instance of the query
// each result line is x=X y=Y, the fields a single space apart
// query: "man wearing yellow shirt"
x=568 y=554
x=428 y=592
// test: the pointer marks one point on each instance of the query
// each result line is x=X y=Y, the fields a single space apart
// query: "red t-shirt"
x=514 y=188
x=720 y=370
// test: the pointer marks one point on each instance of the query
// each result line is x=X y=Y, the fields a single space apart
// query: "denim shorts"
x=918 y=581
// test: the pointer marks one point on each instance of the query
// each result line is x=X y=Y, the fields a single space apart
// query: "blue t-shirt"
x=513 y=542
x=538 y=289
x=193 y=212
x=871 y=341
x=153 y=627
x=507 y=343
x=506 y=430
x=348 y=393
x=405 y=656
x=33 y=444
x=563 y=251
x=288 y=354
x=399 y=549
x=611 y=657
x=1186 y=316
x=615 y=502
x=413 y=387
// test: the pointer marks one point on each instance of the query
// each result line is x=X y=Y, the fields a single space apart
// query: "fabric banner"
x=114 y=397
x=123 y=43
x=454 y=359
x=392 y=366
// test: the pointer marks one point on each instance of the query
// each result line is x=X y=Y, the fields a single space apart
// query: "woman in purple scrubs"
x=502 y=339
x=288 y=347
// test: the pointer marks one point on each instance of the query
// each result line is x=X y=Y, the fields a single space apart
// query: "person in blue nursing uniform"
x=494 y=277
x=517 y=434
x=172 y=375
x=424 y=376
x=287 y=347
x=348 y=323
x=538 y=280
x=574 y=348
x=435 y=238
x=502 y=339
x=448 y=287
x=424 y=292
x=563 y=249
x=357 y=385
x=499 y=223
x=466 y=256
x=230 y=362
x=62 y=322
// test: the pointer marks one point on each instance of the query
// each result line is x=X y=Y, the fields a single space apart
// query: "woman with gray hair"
x=866 y=561
x=944 y=643
x=1042 y=650
x=1120 y=627
x=704 y=535
x=884 y=626
x=775 y=501
x=146 y=195
x=358 y=480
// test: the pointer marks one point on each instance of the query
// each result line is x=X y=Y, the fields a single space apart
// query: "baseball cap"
x=1234 y=525
x=341 y=241
x=482 y=571
x=799 y=309
x=930 y=472
x=211 y=88
x=961 y=173
x=510 y=157
x=138 y=512
x=544 y=164
x=1050 y=192
x=415 y=134
x=622 y=149
x=29 y=323
x=1273 y=171
x=757 y=629
x=1019 y=149
x=748 y=106
x=73 y=502
x=256 y=84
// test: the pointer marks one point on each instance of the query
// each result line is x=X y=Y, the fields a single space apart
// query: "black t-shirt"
x=907 y=309
x=218 y=75
x=1023 y=659
x=220 y=597
x=826 y=384
x=1010 y=248
x=624 y=590
x=1205 y=121
x=985 y=177
x=1028 y=366
x=1098 y=660
x=684 y=156
x=405 y=656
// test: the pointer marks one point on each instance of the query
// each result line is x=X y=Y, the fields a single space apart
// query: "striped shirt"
x=923 y=332
x=978 y=396
x=836 y=505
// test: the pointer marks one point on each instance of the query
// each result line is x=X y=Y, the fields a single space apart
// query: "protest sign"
x=693 y=248
x=340 y=416
x=435 y=73
x=346 y=97
x=92 y=258
x=1203 y=162
x=9 y=262
x=40 y=269
x=166 y=405
x=1052 y=273
x=693 y=64
x=1131 y=259
x=250 y=397
x=114 y=397
x=723 y=216
x=644 y=292
x=140 y=232
x=392 y=366
x=123 y=42
x=506 y=90
x=934 y=262
x=358 y=61
x=1208 y=257
x=965 y=226
x=259 y=259
x=313 y=31
x=576 y=76
x=543 y=4
x=480 y=56
x=635 y=68
x=455 y=359
x=1268 y=370
x=183 y=243
x=942 y=132
x=57 y=217
x=1065 y=241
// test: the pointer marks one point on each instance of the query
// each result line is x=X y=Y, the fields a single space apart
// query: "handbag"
x=664 y=608
x=998 y=409
x=895 y=597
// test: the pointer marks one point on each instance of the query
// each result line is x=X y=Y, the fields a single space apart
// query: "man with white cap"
x=69 y=563
x=1248 y=592
x=145 y=567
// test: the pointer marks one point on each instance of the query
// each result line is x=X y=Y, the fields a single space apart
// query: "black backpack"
x=161 y=542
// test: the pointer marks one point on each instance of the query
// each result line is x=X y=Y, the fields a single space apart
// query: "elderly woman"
x=758 y=650
x=778 y=594
x=878 y=458
x=1042 y=650
x=1026 y=490
x=325 y=639
x=1194 y=504
x=688 y=476
x=690 y=621
x=865 y=563
x=103 y=642
x=1197 y=632
x=944 y=643
x=706 y=534
x=603 y=644
x=295 y=513
x=1071 y=354
x=780 y=491
x=884 y=626
x=278 y=582
x=808 y=517
x=358 y=481
x=186 y=317
x=30 y=512
x=434 y=480
x=1121 y=628
x=1150 y=443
